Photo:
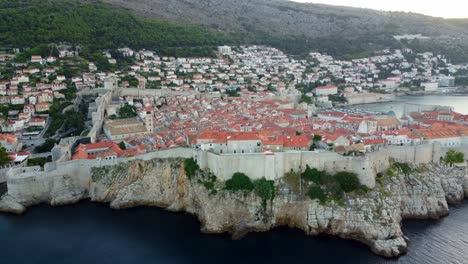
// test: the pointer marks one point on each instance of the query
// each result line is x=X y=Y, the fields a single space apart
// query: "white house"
x=430 y=86
x=326 y=90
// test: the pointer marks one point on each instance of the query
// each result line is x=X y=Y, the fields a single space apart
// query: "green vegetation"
x=265 y=189
x=101 y=26
x=208 y=182
x=191 y=167
x=317 y=138
x=132 y=81
x=122 y=145
x=337 y=98
x=453 y=156
x=292 y=179
x=403 y=167
x=127 y=111
x=38 y=162
x=313 y=175
x=42 y=49
x=57 y=119
x=377 y=90
x=316 y=192
x=4 y=158
x=97 y=26
x=461 y=81
x=47 y=146
x=305 y=99
x=454 y=49
x=239 y=182
x=391 y=172
x=74 y=120
x=348 y=181
x=326 y=187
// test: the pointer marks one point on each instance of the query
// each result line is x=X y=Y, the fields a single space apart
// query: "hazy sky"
x=438 y=8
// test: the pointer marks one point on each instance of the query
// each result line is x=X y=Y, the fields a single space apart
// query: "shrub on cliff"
x=403 y=167
x=348 y=181
x=4 y=157
x=315 y=192
x=313 y=175
x=292 y=179
x=191 y=167
x=265 y=189
x=239 y=182
x=453 y=156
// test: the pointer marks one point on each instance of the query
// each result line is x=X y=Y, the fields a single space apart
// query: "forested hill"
x=194 y=27
x=98 y=26
x=295 y=27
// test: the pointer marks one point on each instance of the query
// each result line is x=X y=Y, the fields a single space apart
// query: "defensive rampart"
x=274 y=165
x=33 y=183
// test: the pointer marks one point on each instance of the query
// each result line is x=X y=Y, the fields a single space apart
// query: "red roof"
x=326 y=87
x=112 y=149
x=374 y=141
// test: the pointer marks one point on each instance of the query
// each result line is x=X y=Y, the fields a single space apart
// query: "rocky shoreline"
x=373 y=218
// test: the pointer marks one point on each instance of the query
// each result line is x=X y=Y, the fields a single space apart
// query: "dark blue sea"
x=93 y=233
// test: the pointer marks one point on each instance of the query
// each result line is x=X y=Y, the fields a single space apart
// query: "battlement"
x=25 y=182
x=275 y=165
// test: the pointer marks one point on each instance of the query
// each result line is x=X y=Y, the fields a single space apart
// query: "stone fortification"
x=66 y=182
x=97 y=116
x=274 y=165
x=159 y=179
x=372 y=218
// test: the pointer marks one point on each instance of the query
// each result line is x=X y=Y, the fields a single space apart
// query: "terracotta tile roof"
x=374 y=142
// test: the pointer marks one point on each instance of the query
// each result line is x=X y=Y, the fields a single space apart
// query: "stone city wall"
x=98 y=116
x=274 y=165
x=33 y=183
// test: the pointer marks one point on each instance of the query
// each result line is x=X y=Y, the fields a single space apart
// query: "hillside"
x=194 y=27
x=289 y=18
x=296 y=26
x=98 y=26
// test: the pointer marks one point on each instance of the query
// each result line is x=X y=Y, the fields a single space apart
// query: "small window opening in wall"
x=363 y=168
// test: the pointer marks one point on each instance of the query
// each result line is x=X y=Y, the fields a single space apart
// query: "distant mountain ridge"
x=172 y=25
x=297 y=26
x=290 y=18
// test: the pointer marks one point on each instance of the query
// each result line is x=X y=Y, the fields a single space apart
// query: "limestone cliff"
x=373 y=218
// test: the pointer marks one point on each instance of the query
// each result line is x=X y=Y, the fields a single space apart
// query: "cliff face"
x=373 y=218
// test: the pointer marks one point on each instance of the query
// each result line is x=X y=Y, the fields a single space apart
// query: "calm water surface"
x=458 y=102
x=93 y=233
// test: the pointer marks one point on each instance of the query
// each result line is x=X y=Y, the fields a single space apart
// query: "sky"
x=437 y=8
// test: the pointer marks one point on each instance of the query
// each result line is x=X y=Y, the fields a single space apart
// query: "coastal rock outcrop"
x=9 y=205
x=373 y=217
